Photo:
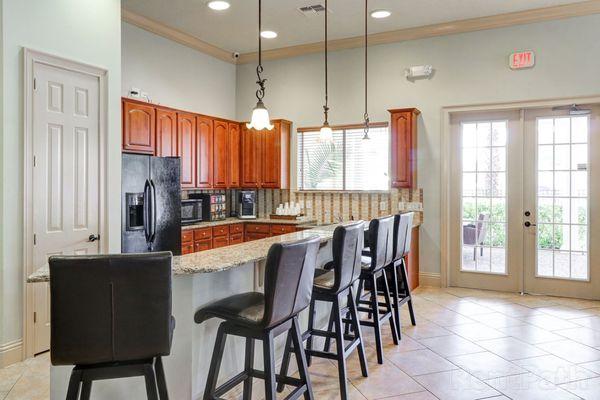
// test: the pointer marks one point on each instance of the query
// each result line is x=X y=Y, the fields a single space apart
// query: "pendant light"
x=260 y=116
x=326 y=133
x=366 y=114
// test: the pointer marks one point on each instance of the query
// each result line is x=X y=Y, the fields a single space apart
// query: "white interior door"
x=562 y=203
x=486 y=201
x=65 y=177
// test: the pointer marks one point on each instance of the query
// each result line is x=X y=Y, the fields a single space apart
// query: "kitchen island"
x=198 y=279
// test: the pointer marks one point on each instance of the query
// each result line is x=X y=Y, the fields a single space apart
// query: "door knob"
x=528 y=224
x=93 y=238
x=527 y=213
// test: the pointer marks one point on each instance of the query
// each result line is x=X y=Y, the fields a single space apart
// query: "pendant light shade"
x=326 y=133
x=366 y=114
x=260 y=115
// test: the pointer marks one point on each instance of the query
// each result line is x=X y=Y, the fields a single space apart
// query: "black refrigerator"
x=150 y=204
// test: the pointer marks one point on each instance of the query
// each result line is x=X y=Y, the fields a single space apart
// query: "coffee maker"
x=247 y=208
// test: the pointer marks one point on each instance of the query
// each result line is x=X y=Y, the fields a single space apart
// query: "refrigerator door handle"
x=153 y=209
x=147 y=200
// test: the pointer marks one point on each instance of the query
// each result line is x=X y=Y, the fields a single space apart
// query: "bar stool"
x=111 y=318
x=331 y=285
x=380 y=255
x=289 y=279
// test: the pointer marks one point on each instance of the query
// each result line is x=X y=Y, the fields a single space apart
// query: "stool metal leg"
x=249 y=365
x=160 y=379
x=301 y=358
x=311 y=325
x=358 y=333
x=327 y=346
x=404 y=275
x=388 y=302
x=74 y=383
x=215 y=364
x=86 y=389
x=339 y=341
x=285 y=362
x=150 y=378
x=396 y=298
x=376 y=321
x=269 y=361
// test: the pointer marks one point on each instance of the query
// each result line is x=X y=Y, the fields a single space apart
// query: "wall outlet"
x=383 y=206
x=134 y=92
x=414 y=206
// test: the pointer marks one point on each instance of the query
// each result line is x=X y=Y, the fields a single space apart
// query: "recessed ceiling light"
x=268 y=34
x=380 y=14
x=218 y=5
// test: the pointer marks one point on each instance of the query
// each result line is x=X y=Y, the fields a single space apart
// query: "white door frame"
x=446 y=143
x=31 y=57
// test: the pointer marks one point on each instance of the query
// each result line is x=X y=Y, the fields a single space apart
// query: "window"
x=348 y=163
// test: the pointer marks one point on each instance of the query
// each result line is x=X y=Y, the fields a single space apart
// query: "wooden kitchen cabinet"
x=234 y=156
x=282 y=229
x=202 y=245
x=220 y=153
x=186 y=141
x=404 y=147
x=266 y=156
x=236 y=238
x=204 y=152
x=255 y=236
x=139 y=133
x=166 y=133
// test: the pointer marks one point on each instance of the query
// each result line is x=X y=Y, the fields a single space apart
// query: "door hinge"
x=34 y=83
x=34 y=239
x=34 y=317
x=34 y=160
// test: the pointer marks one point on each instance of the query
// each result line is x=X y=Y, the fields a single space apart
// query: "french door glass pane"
x=484 y=196
x=562 y=204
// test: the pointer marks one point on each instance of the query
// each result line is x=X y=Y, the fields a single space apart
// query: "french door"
x=522 y=199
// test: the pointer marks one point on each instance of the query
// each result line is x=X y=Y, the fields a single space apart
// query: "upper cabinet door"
x=251 y=157
x=220 y=153
x=404 y=147
x=186 y=134
x=166 y=133
x=138 y=128
x=275 y=172
x=204 y=152
x=235 y=155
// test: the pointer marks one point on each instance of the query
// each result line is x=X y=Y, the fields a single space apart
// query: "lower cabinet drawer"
x=187 y=236
x=282 y=229
x=236 y=228
x=255 y=236
x=221 y=230
x=220 y=241
x=258 y=228
x=236 y=238
x=202 y=245
x=202 y=233
x=187 y=248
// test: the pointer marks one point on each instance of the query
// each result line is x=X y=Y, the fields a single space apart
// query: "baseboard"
x=430 y=279
x=11 y=352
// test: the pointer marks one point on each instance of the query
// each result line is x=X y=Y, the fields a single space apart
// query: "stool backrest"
x=381 y=242
x=347 y=246
x=402 y=234
x=289 y=277
x=108 y=308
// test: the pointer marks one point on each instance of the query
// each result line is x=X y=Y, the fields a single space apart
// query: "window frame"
x=344 y=128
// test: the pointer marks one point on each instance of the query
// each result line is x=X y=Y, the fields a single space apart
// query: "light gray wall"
x=175 y=75
x=470 y=69
x=88 y=31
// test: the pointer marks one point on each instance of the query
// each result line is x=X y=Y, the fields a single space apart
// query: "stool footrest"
x=322 y=354
x=231 y=383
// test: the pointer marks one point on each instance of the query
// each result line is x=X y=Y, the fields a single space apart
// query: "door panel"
x=251 y=160
x=204 y=153
x=66 y=174
x=166 y=133
x=271 y=157
x=186 y=140
x=138 y=122
x=220 y=150
x=234 y=156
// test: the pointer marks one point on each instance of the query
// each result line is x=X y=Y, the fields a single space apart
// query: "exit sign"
x=522 y=59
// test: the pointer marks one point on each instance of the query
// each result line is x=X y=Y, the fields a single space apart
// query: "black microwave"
x=191 y=211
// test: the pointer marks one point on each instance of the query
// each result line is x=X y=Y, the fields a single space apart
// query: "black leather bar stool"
x=289 y=279
x=333 y=284
x=111 y=318
x=381 y=246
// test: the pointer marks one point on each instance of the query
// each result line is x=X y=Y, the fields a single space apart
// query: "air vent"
x=311 y=11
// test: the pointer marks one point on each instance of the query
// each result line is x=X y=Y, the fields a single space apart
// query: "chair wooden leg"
x=357 y=333
x=269 y=360
x=311 y=326
x=285 y=362
x=86 y=390
x=301 y=359
x=405 y=282
x=248 y=366
x=395 y=298
x=327 y=346
x=215 y=364
x=161 y=381
x=150 y=378
x=339 y=341
x=377 y=322
x=388 y=303
x=74 y=384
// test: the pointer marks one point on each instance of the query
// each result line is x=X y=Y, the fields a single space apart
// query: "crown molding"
x=447 y=28
x=175 y=35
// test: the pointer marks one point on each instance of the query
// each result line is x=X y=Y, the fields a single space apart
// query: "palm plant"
x=323 y=162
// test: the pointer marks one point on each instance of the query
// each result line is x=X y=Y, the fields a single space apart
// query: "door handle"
x=147 y=215
x=153 y=211
x=93 y=238
x=528 y=224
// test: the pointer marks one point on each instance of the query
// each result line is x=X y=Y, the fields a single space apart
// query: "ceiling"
x=236 y=28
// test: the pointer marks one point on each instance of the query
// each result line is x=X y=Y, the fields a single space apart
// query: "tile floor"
x=468 y=344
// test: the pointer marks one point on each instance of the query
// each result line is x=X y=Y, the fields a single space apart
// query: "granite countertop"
x=224 y=258
x=232 y=220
